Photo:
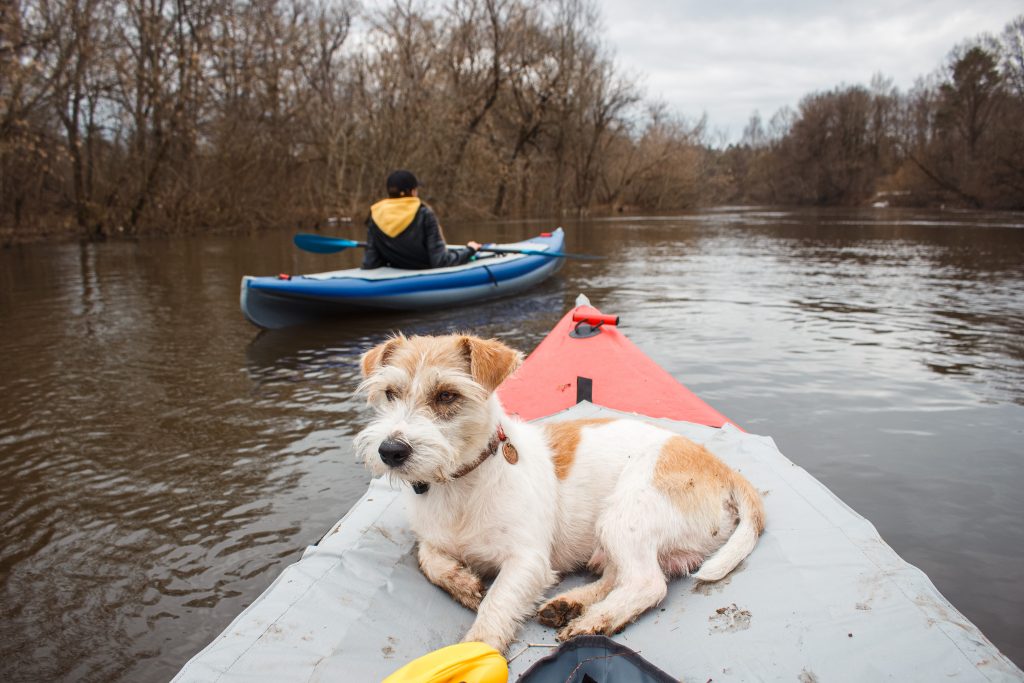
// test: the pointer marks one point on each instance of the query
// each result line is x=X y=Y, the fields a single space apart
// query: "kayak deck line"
x=388 y=273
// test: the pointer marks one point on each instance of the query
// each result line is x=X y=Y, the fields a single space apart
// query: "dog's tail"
x=750 y=510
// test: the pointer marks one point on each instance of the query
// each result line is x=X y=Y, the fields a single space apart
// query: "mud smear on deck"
x=729 y=620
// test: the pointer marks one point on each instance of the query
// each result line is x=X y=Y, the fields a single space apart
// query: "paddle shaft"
x=320 y=244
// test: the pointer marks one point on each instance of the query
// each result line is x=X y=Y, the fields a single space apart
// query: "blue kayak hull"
x=272 y=302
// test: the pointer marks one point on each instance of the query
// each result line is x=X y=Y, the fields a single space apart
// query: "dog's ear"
x=490 y=361
x=379 y=355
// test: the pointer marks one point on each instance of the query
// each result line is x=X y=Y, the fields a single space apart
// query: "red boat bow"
x=585 y=357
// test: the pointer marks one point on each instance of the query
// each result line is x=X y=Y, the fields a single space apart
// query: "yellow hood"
x=393 y=216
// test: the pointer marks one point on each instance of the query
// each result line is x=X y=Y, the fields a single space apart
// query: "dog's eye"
x=446 y=397
x=390 y=394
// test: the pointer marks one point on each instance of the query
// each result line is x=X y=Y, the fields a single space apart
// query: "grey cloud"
x=730 y=58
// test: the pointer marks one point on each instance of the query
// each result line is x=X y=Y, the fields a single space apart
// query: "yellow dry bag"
x=462 y=663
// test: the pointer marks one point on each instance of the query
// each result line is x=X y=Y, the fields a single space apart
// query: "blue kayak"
x=282 y=301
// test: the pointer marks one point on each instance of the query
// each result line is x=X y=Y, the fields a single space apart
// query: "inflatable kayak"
x=285 y=300
x=821 y=597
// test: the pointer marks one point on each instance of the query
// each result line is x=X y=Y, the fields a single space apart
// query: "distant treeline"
x=134 y=116
x=956 y=138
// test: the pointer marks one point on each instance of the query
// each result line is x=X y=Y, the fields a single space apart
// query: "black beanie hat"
x=400 y=183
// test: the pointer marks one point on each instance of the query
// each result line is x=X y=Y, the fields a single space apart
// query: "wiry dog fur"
x=633 y=501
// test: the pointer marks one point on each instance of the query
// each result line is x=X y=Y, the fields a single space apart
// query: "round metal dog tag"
x=510 y=453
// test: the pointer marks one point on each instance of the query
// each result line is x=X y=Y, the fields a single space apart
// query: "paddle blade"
x=319 y=244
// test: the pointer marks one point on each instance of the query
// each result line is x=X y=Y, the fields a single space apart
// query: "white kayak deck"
x=822 y=597
x=389 y=273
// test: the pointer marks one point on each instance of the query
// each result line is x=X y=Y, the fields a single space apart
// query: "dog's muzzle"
x=394 y=452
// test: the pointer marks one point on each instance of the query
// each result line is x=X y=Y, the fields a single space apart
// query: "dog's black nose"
x=394 y=452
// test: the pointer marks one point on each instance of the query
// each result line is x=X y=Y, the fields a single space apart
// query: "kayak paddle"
x=320 y=244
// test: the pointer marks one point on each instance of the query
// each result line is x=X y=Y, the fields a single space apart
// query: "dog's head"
x=432 y=396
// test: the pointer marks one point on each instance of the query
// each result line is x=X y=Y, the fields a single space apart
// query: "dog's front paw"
x=558 y=612
x=465 y=587
x=588 y=625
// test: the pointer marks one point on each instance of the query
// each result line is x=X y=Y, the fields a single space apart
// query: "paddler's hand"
x=475 y=246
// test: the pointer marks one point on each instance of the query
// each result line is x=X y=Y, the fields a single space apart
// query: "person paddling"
x=403 y=232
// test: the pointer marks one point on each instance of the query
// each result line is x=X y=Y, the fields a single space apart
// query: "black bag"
x=594 y=659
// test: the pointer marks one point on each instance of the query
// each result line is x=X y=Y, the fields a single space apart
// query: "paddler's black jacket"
x=403 y=233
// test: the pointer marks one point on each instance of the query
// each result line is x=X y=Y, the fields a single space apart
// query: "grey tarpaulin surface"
x=822 y=597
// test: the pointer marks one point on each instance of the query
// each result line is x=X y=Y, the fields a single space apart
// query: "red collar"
x=507 y=450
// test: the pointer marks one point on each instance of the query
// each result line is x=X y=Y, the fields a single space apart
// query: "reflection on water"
x=160 y=460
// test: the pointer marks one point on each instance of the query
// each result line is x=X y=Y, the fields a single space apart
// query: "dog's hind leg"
x=446 y=573
x=629 y=537
x=563 y=608
x=636 y=590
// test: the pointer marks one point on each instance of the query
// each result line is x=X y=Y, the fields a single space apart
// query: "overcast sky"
x=730 y=57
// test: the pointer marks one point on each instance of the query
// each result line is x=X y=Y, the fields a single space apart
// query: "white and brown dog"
x=635 y=502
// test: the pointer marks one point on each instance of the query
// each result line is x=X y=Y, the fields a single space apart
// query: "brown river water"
x=161 y=461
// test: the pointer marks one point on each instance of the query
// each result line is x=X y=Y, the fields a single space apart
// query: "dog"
x=492 y=496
